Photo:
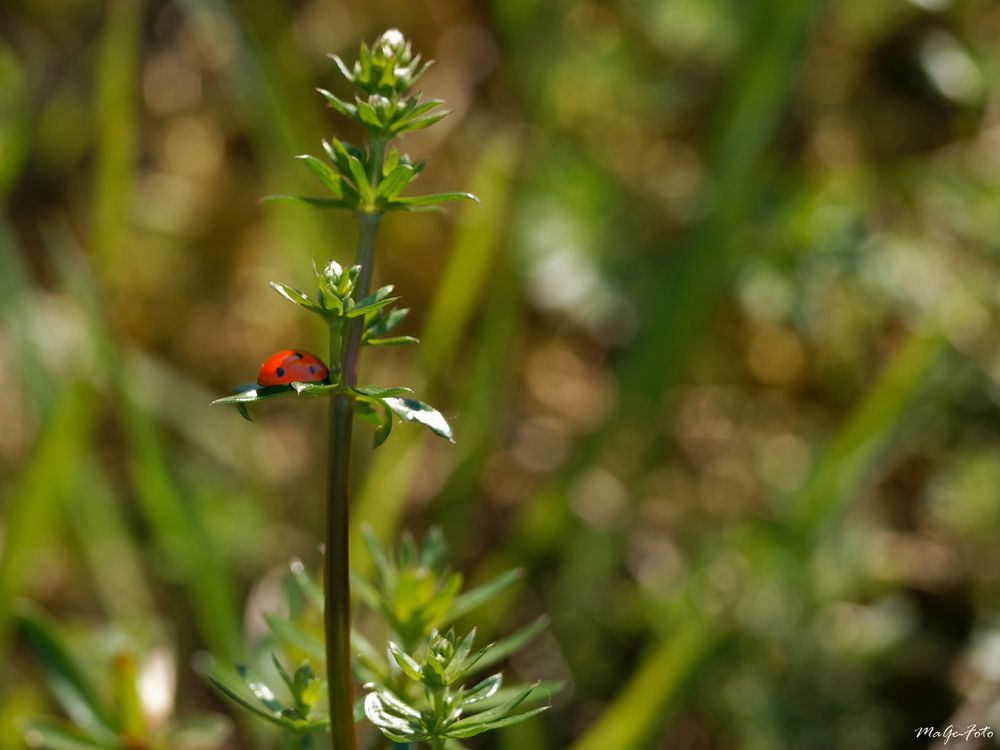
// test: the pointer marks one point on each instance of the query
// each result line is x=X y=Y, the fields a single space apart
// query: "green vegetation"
x=717 y=350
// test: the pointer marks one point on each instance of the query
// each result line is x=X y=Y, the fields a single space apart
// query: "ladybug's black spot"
x=299 y=355
x=280 y=372
x=312 y=370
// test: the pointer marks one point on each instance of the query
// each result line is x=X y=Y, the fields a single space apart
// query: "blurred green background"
x=719 y=347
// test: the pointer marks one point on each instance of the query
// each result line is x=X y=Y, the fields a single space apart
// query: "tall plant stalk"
x=336 y=568
x=369 y=182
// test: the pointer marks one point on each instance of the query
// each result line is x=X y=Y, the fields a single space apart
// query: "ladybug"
x=292 y=366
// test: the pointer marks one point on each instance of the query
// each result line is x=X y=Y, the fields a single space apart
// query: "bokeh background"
x=719 y=347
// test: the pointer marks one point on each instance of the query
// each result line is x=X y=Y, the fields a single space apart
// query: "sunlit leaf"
x=409 y=665
x=297 y=297
x=344 y=108
x=374 y=301
x=412 y=410
x=393 y=341
x=377 y=391
x=485 y=689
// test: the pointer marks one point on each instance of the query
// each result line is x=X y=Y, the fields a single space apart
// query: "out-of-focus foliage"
x=719 y=347
x=412 y=604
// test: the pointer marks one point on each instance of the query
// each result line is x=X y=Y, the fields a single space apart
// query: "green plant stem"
x=336 y=572
x=351 y=346
x=336 y=582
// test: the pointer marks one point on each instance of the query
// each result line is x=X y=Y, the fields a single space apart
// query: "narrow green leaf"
x=65 y=677
x=369 y=117
x=482 y=691
x=513 y=643
x=344 y=70
x=329 y=178
x=405 y=662
x=490 y=715
x=368 y=654
x=297 y=297
x=285 y=677
x=344 y=108
x=383 y=566
x=412 y=410
x=474 y=598
x=361 y=181
x=393 y=341
x=246 y=704
x=395 y=205
x=397 y=705
x=419 y=124
x=396 y=728
x=337 y=155
x=416 y=109
x=377 y=391
x=55 y=734
x=310 y=589
x=382 y=321
x=396 y=181
x=249 y=393
x=544 y=692
x=366 y=593
x=260 y=690
x=465 y=647
x=379 y=294
x=390 y=163
x=367 y=305
x=317 y=389
x=308 y=200
x=435 y=198
x=295 y=636
x=433 y=674
x=499 y=723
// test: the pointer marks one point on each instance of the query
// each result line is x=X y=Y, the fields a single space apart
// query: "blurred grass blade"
x=512 y=643
x=643 y=705
x=477 y=597
x=174 y=521
x=863 y=437
x=53 y=734
x=110 y=551
x=65 y=677
x=689 y=286
x=117 y=82
x=32 y=509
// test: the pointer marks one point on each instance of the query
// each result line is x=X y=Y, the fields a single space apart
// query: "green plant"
x=415 y=595
x=419 y=687
x=119 y=701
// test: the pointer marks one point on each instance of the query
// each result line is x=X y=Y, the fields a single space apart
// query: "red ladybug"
x=292 y=366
